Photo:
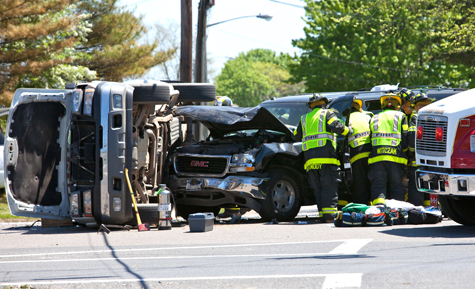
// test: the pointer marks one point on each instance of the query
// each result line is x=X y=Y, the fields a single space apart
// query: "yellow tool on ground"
x=140 y=226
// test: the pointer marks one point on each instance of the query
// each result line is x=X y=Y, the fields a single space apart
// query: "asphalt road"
x=249 y=254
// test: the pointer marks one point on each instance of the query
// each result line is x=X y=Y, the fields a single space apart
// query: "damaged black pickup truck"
x=249 y=159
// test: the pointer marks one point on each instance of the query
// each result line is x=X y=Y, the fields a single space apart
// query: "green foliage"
x=36 y=37
x=351 y=44
x=256 y=76
x=113 y=45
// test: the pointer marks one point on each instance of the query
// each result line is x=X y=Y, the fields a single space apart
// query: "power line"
x=288 y=4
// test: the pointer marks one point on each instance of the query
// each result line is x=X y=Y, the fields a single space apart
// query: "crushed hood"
x=221 y=120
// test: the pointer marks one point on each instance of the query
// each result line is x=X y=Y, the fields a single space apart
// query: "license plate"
x=194 y=185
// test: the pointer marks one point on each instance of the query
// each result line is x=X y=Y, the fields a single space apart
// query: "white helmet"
x=223 y=101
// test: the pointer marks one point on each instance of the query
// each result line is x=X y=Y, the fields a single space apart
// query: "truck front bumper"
x=445 y=183
x=211 y=192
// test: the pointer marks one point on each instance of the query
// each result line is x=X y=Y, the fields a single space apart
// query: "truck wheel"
x=460 y=210
x=185 y=210
x=282 y=197
x=148 y=213
x=151 y=92
x=195 y=92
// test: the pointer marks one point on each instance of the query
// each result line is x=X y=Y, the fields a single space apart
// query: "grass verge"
x=5 y=215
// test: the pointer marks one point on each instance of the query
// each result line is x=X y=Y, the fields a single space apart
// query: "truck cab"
x=445 y=154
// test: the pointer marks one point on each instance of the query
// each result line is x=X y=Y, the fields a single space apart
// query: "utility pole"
x=186 y=50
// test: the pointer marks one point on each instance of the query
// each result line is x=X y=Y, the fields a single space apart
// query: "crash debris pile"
x=392 y=213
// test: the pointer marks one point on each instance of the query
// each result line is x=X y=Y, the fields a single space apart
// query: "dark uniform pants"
x=360 y=186
x=325 y=183
x=382 y=174
x=414 y=196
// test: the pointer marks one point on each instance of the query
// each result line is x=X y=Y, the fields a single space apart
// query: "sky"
x=226 y=40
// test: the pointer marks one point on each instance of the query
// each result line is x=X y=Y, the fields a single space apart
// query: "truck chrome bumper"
x=247 y=186
x=445 y=184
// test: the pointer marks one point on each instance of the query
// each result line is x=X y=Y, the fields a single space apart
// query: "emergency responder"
x=387 y=159
x=360 y=148
x=406 y=96
x=317 y=131
x=414 y=196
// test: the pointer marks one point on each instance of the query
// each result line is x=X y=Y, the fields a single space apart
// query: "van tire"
x=151 y=92
x=195 y=92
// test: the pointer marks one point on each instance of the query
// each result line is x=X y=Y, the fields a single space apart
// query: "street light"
x=261 y=16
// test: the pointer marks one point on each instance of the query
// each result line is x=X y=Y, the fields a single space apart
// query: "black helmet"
x=406 y=95
x=421 y=96
x=316 y=99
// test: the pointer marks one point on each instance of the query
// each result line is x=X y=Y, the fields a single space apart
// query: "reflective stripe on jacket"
x=361 y=131
x=314 y=130
x=386 y=136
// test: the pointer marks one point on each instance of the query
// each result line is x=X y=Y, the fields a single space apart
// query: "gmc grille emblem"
x=203 y=164
x=431 y=118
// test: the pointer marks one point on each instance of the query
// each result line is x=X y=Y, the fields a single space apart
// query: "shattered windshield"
x=288 y=113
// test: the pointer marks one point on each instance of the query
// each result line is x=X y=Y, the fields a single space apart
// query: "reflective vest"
x=315 y=135
x=314 y=131
x=386 y=130
x=361 y=131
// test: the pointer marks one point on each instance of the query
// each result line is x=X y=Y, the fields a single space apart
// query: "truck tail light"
x=420 y=130
x=87 y=203
x=439 y=133
x=465 y=122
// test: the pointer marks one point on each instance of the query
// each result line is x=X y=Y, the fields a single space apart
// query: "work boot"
x=229 y=213
x=327 y=218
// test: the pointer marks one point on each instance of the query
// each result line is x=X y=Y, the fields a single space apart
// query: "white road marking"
x=351 y=280
x=331 y=280
x=348 y=244
x=350 y=247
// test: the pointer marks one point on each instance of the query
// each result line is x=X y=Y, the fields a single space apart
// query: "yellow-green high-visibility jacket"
x=359 y=141
x=411 y=136
x=316 y=131
x=389 y=137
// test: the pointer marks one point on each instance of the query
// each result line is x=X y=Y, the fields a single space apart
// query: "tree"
x=36 y=44
x=113 y=48
x=256 y=76
x=351 y=44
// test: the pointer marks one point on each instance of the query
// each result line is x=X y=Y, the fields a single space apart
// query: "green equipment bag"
x=353 y=207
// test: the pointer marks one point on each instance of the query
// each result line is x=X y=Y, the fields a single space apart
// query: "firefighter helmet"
x=316 y=99
x=421 y=98
x=406 y=95
x=357 y=104
x=390 y=100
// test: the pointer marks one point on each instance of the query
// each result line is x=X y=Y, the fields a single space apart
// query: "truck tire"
x=282 y=200
x=185 y=210
x=148 y=213
x=151 y=92
x=195 y=92
x=460 y=210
